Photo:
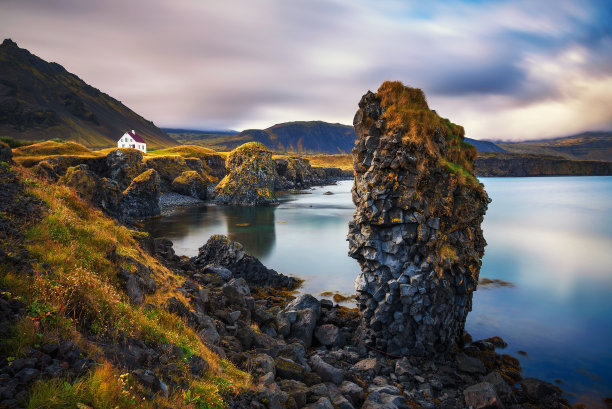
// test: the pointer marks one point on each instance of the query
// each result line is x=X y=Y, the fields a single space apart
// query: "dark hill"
x=485 y=146
x=41 y=100
x=311 y=136
x=583 y=146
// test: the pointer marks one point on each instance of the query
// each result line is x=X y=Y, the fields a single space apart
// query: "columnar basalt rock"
x=416 y=230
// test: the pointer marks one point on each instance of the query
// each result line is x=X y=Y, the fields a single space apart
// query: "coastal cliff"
x=519 y=165
x=416 y=230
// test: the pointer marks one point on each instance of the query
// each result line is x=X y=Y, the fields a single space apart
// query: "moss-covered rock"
x=251 y=179
x=102 y=192
x=141 y=198
x=190 y=183
x=416 y=230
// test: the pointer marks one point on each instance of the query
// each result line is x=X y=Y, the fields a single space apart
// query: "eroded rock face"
x=141 y=198
x=416 y=230
x=251 y=178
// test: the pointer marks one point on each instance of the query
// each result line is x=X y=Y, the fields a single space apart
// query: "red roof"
x=135 y=136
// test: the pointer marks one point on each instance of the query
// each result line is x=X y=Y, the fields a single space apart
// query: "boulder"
x=251 y=178
x=470 y=364
x=296 y=389
x=352 y=391
x=219 y=250
x=236 y=291
x=330 y=335
x=287 y=369
x=482 y=396
x=327 y=372
x=222 y=272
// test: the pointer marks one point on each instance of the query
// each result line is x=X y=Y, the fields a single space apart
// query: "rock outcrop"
x=141 y=198
x=416 y=230
x=220 y=251
x=297 y=173
x=251 y=178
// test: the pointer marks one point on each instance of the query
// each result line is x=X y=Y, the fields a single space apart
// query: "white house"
x=132 y=140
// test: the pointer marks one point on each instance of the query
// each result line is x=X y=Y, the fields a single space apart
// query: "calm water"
x=550 y=237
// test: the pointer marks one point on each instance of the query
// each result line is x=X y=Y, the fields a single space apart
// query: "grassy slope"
x=41 y=101
x=74 y=293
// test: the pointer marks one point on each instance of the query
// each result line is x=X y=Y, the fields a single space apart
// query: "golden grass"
x=50 y=148
x=75 y=285
x=186 y=151
x=407 y=113
x=342 y=161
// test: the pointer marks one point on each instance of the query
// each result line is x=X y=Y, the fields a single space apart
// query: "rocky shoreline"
x=304 y=352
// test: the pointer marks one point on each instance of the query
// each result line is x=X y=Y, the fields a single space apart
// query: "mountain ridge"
x=41 y=100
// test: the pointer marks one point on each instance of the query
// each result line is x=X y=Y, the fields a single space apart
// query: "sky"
x=505 y=70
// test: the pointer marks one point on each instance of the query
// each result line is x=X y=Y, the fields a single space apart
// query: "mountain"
x=583 y=146
x=301 y=136
x=41 y=100
x=485 y=146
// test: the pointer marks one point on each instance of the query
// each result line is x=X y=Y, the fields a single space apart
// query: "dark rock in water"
x=482 y=396
x=221 y=251
x=141 y=198
x=416 y=230
x=251 y=178
x=537 y=391
x=297 y=173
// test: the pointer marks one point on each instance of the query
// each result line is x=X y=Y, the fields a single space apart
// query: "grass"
x=49 y=148
x=342 y=161
x=406 y=113
x=74 y=290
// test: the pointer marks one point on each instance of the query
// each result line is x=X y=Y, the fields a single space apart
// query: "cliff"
x=517 y=165
x=40 y=100
x=416 y=230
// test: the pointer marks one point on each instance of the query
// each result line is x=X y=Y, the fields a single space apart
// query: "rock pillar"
x=416 y=230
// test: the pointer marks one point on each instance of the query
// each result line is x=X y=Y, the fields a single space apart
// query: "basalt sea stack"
x=416 y=230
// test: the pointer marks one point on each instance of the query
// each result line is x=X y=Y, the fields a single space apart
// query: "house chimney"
x=133 y=131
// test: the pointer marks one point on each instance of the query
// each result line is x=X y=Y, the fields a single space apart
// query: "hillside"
x=583 y=146
x=40 y=100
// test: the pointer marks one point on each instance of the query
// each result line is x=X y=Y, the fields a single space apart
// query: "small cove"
x=551 y=238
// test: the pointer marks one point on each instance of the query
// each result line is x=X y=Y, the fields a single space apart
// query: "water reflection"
x=251 y=226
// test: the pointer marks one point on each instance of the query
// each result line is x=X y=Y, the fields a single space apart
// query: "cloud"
x=504 y=69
